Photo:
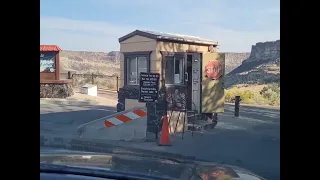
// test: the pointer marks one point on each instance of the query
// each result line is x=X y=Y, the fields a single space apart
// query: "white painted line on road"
x=247 y=118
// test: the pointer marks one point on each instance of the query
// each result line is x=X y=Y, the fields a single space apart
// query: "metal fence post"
x=236 y=106
x=92 y=79
x=117 y=77
x=69 y=75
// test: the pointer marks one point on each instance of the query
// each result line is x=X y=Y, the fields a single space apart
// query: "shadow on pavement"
x=65 y=119
x=247 y=143
x=254 y=145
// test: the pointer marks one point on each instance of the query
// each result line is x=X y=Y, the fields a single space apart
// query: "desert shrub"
x=270 y=88
x=229 y=96
x=269 y=95
x=87 y=80
x=246 y=96
x=272 y=94
x=274 y=99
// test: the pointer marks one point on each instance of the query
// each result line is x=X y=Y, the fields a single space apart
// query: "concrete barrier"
x=129 y=125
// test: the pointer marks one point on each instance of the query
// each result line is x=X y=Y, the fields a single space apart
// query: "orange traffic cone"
x=165 y=137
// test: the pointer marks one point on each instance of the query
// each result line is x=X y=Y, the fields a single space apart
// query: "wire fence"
x=102 y=81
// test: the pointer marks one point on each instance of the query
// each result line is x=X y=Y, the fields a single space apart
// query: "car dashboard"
x=54 y=176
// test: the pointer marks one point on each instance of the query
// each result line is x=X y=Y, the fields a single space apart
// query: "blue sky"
x=96 y=25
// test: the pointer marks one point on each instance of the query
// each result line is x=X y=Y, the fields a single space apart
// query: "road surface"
x=64 y=119
x=251 y=141
x=263 y=113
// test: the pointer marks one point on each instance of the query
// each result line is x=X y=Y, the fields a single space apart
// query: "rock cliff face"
x=265 y=51
x=233 y=60
x=109 y=63
x=262 y=66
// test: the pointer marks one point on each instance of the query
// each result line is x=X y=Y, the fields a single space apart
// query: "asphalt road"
x=251 y=141
x=263 y=113
x=64 y=119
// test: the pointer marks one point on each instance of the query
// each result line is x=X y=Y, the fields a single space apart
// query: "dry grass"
x=103 y=82
x=83 y=62
x=105 y=65
x=104 y=68
x=250 y=87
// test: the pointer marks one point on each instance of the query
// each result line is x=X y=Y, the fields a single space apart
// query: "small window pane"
x=178 y=74
x=142 y=66
x=142 y=62
x=169 y=71
x=132 y=70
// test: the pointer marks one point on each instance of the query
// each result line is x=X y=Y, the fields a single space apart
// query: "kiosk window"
x=135 y=65
x=174 y=70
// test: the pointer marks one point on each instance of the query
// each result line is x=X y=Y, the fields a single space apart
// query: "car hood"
x=147 y=165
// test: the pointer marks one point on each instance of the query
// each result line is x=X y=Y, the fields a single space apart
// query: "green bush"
x=229 y=96
x=272 y=94
x=274 y=88
x=269 y=95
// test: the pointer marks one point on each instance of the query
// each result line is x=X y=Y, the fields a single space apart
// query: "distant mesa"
x=260 y=66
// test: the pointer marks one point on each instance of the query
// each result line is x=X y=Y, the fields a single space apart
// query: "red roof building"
x=51 y=48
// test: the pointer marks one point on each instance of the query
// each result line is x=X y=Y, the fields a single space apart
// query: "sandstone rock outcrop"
x=233 y=60
x=56 y=90
x=262 y=66
x=266 y=51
